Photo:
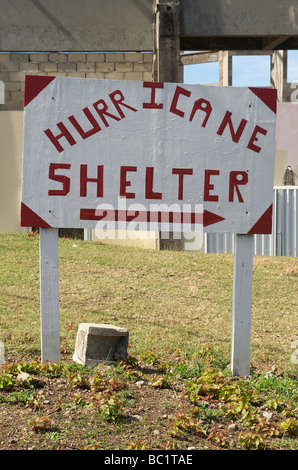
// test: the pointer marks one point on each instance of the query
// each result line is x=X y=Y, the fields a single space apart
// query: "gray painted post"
x=242 y=302
x=49 y=295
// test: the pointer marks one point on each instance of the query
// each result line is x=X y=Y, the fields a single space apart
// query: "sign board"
x=140 y=154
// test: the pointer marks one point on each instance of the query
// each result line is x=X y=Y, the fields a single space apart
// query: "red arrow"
x=210 y=218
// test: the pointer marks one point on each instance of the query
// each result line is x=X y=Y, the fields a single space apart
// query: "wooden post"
x=49 y=295
x=242 y=302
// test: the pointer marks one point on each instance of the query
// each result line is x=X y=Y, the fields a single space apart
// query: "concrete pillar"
x=279 y=60
x=225 y=68
x=167 y=67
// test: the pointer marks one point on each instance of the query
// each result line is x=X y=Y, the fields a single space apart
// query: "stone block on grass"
x=98 y=342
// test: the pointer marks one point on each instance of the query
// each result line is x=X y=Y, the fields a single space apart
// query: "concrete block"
x=147 y=76
x=115 y=57
x=114 y=76
x=145 y=67
x=4 y=56
x=57 y=57
x=123 y=67
x=28 y=67
x=97 y=342
x=96 y=57
x=17 y=96
x=76 y=74
x=133 y=57
x=9 y=66
x=77 y=57
x=18 y=57
x=95 y=75
x=105 y=67
x=138 y=76
x=14 y=76
x=67 y=67
x=13 y=86
x=47 y=67
x=39 y=57
x=86 y=67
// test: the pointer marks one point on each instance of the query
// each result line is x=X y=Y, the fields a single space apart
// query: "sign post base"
x=242 y=302
x=49 y=295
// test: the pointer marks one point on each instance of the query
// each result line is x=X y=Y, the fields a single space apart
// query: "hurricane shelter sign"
x=137 y=155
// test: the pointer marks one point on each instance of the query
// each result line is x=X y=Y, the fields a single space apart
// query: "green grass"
x=168 y=300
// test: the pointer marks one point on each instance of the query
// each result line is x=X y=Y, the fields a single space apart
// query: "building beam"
x=273 y=43
x=199 y=57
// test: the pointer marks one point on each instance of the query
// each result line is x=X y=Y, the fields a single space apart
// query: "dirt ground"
x=51 y=413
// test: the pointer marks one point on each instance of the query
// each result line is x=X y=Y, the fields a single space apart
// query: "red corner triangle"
x=267 y=95
x=34 y=85
x=264 y=224
x=210 y=218
x=31 y=219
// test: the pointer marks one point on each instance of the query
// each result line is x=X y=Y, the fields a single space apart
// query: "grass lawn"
x=166 y=299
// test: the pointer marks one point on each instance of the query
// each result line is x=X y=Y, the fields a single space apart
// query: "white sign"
x=137 y=154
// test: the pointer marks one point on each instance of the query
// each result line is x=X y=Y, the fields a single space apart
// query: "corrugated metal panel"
x=284 y=238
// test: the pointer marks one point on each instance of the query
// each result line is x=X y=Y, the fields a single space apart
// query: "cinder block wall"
x=118 y=66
